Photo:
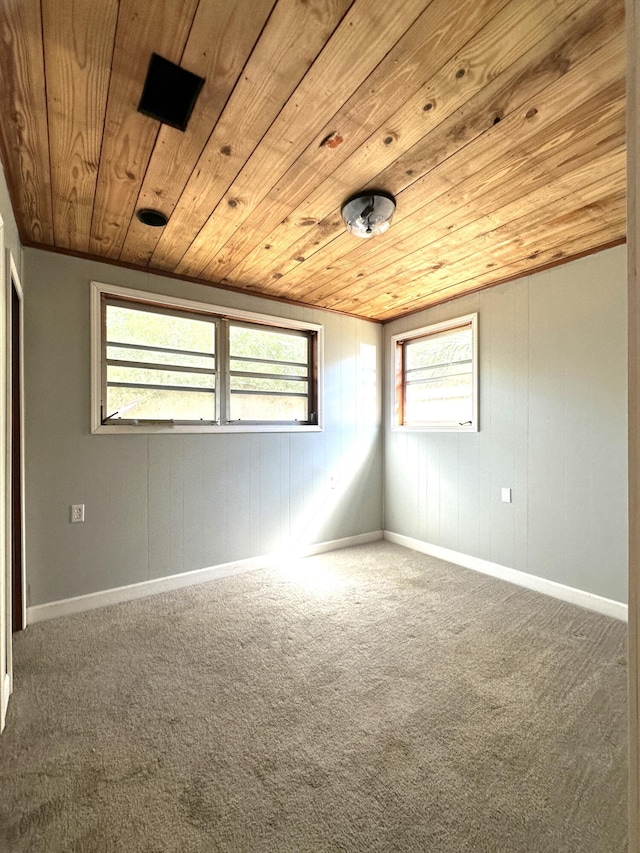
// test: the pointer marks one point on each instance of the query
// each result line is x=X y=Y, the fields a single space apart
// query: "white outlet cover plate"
x=77 y=513
x=506 y=496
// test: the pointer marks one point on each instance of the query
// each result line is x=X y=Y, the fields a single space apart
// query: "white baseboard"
x=93 y=600
x=336 y=544
x=606 y=606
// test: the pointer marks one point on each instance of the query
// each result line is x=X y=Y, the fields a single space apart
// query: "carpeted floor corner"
x=371 y=699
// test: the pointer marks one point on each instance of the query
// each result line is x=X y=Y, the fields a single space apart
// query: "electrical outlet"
x=77 y=513
x=506 y=496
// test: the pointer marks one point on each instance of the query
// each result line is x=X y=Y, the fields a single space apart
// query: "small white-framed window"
x=162 y=364
x=436 y=376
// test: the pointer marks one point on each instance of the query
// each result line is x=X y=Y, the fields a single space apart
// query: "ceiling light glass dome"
x=368 y=213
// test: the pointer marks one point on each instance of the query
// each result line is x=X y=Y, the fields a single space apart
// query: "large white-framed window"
x=436 y=376
x=164 y=364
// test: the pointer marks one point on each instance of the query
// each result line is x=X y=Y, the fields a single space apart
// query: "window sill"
x=452 y=428
x=150 y=429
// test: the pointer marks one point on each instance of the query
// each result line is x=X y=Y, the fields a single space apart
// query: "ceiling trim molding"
x=114 y=262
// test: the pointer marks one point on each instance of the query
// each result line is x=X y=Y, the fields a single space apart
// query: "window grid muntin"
x=308 y=337
x=415 y=342
x=402 y=379
x=222 y=388
x=156 y=309
x=158 y=365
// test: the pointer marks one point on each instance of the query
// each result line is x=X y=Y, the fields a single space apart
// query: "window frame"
x=153 y=308
x=229 y=373
x=219 y=315
x=398 y=378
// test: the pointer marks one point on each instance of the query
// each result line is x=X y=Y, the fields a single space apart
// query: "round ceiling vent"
x=152 y=217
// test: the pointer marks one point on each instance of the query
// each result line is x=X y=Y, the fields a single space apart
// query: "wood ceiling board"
x=452 y=160
x=293 y=36
x=24 y=130
x=449 y=256
x=600 y=237
x=512 y=94
x=451 y=247
x=396 y=78
x=520 y=239
x=445 y=219
x=449 y=261
x=366 y=34
x=553 y=74
x=129 y=137
x=482 y=59
x=78 y=46
x=552 y=257
x=497 y=187
x=221 y=39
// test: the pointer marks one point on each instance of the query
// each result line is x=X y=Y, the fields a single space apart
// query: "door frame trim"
x=13 y=280
x=6 y=662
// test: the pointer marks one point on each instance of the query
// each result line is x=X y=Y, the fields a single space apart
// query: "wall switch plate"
x=506 y=496
x=77 y=513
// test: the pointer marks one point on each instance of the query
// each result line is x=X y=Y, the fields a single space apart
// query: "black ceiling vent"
x=169 y=92
x=155 y=218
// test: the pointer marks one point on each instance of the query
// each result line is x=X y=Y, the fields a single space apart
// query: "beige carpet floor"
x=371 y=699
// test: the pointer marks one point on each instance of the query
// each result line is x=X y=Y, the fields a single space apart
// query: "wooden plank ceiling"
x=499 y=126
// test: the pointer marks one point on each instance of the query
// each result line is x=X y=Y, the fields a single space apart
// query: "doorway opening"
x=16 y=439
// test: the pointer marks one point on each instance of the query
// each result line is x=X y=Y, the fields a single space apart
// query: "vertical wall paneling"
x=468 y=495
x=521 y=427
x=295 y=486
x=233 y=504
x=270 y=449
x=551 y=410
x=502 y=413
x=346 y=460
x=449 y=487
x=423 y=492
x=434 y=481
x=158 y=505
x=332 y=462
x=543 y=474
x=552 y=355
x=283 y=489
x=483 y=437
x=396 y=480
x=166 y=505
x=120 y=514
x=194 y=504
x=215 y=507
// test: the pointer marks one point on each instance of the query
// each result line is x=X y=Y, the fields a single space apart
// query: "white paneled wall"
x=158 y=505
x=552 y=428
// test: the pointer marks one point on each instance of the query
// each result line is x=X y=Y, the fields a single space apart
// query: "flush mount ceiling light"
x=152 y=217
x=368 y=213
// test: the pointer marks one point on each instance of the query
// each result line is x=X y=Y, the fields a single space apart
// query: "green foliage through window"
x=436 y=376
x=161 y=364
